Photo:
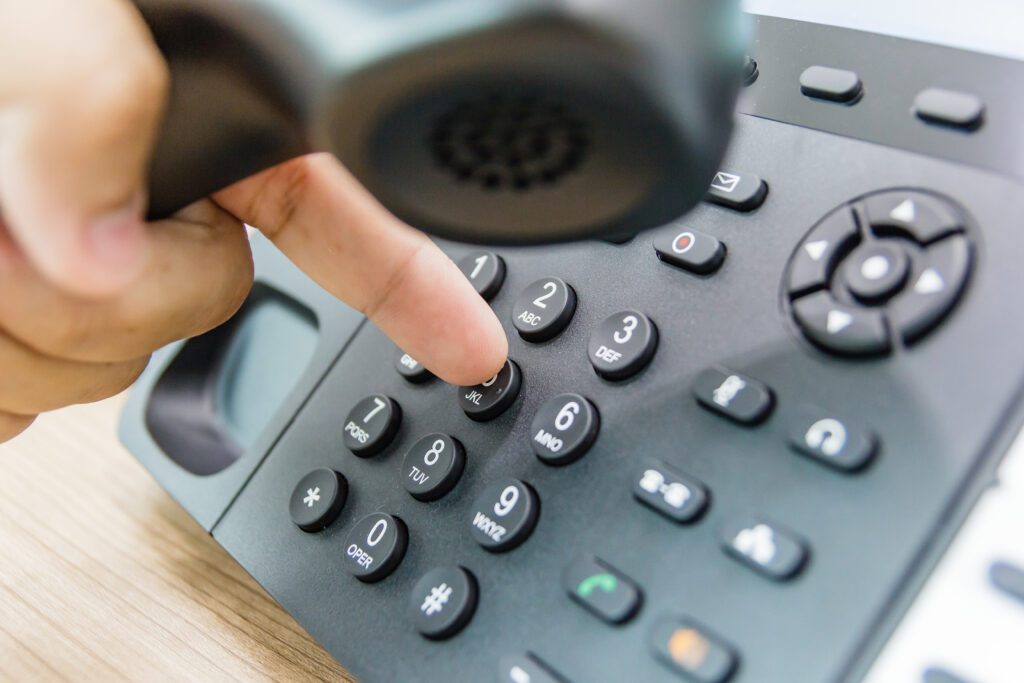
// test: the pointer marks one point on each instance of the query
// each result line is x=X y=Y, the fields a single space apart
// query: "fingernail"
x=116 y=242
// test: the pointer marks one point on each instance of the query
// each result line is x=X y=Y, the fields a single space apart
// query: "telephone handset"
x=508 y=121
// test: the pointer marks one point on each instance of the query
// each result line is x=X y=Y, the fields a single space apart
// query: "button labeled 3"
x=622 y=345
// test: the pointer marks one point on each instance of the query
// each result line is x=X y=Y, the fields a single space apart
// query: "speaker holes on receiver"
x=509 y=142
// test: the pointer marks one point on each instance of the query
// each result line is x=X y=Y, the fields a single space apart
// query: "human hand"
x=88 y=289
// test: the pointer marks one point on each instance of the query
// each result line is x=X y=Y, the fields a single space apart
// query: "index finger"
x=340 y=236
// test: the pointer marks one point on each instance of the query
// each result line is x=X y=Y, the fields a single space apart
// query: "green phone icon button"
x=605 y=581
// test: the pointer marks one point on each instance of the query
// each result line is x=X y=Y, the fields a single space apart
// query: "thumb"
x=77 y=128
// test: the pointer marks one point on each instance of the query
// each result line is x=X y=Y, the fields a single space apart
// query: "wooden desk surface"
x=103 y=577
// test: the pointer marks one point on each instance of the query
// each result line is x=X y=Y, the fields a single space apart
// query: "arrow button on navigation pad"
x=842 y=328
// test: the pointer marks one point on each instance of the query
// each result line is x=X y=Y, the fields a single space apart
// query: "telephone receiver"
x=491 y=121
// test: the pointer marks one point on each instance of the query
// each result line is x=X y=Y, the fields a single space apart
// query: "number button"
x=371 y=425
x=410 y=368
x=433 y=466
x=564 y=429
x=504 y=515
x=622 y=345
x=317 y=499
x=485 y=270
x=375 y=546
x=489 y=400
x=544 y=309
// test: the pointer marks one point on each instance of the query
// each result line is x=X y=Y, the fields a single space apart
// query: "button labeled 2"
x=544 y=309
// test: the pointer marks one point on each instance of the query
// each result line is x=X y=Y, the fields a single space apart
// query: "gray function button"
x=443 y=601
x=409 y=368
x=601 y=589
x=934 y=288
x=622 y=345
x=815 y=258
x=692 y=651
x=371 y=425
x=526 y=668
x=842 y=328
x=544 y=309
x=674 y=495
x=317 y=499
x=771 y=550
x=916 y=215
x=949 y=108
x=833 y=441
x=750 y=71
x=432 y=466
x=876 y=270
x=564 y=429
x=375 y=546
x=485 y=270
x=736 y=396
x=691 y=250
x=739 y=191
x=489 y=400
x=1008 y=578
x=504 y=515
x=835 y=85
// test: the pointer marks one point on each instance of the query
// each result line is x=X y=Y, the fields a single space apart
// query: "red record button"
x=691 y=250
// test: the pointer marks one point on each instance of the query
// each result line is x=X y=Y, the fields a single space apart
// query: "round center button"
x=375 y=546
x=443 y=602
x=371 y=425
x=564 y=429
x=622 y=345
x=503 y=516
x=433 y=466
x=317 y=499
x=485 y=270
x=544 y=309
x=489 y=400
x=876 y=271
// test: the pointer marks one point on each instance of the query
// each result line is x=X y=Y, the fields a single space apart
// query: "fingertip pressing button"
x=489 y=400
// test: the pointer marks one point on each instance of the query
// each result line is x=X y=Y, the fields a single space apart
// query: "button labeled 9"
x=544 y=309
x=564 y=429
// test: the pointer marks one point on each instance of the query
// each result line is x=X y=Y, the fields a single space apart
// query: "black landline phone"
x=733 y=447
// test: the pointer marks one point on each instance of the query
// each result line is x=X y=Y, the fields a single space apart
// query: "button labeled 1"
x=432 y=466
x=544 y=309
x=485 y=270
x=622 y=345
x=504 y=515
x=375 y=546
x=564 y=429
